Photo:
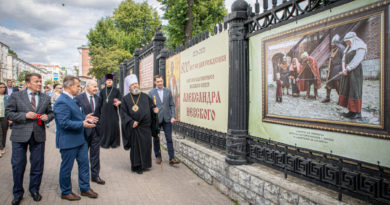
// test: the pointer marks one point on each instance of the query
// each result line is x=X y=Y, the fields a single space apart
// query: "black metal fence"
x=369 y=182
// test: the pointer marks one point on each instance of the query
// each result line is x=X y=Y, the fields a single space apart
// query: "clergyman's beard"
x=135 y=91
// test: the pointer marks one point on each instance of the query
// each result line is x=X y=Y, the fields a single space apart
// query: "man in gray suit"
x=166 y=116
x=28 y=110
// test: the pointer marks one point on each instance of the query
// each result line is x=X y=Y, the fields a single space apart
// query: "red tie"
x=33 y=103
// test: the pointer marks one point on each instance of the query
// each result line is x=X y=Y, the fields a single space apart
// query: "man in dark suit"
x=28 y=110
x=70 y=139
x=89 y=101
x=10 y=88
x=166 y=116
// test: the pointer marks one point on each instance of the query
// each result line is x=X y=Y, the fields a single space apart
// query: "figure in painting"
x=279 y=85
x=334 y=66
x=351 y=87
x=309 y=75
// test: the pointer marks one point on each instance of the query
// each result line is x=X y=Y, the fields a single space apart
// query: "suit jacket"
x=69 y=119
x=83 y=101
x=17 y=106
x=167 y=107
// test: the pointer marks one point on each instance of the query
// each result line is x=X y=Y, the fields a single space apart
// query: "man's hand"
x=86 y=124
x=173 y=120
x=155 y=110
x=31 y=115
x=135 y=124
x=116 y=102
x=344 y=72
x=9 y=122
x=91 y=119
x=44 y=118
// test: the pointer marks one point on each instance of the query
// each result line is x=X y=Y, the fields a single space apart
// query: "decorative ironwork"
x=287 y=12
x=210 y=137
x=365 y=181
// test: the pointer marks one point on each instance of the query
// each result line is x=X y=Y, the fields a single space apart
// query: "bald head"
x=91 y=87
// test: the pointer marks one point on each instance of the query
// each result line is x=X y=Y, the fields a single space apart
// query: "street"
x=166 y=185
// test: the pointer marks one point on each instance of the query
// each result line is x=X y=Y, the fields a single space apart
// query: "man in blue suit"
x=70 y=139
x=166 y=116
x=90 y=103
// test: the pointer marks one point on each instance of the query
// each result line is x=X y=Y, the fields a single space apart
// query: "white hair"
x=89 y=82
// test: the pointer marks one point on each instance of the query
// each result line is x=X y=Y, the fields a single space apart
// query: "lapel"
x=86 y=102
x=165 y=94
x=157 y=96
x=40 y=101
x=27 y=100
x=96 y=101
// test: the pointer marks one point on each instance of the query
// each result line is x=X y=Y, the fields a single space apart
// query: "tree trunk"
x=188 y=26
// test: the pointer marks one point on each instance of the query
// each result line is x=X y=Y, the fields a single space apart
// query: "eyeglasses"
x=2 y=87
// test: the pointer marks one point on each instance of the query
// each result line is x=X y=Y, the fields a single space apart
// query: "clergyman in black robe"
x=136 y=114
x=109 y=119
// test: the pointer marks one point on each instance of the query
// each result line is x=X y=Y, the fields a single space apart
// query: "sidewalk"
x=168 y=185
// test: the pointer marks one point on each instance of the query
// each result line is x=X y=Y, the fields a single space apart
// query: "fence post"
x=238 y=84
x=158 y=44
x=161 y=58
x=122 y=68
x=137 y=52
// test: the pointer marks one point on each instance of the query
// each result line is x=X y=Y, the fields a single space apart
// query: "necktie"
x=33 y=103
x=91 y=103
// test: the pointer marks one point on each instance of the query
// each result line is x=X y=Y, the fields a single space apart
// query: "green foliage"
x=205 y=15
x=48 y=82
x=22 y=74
x=11 y=52
x=131 y=26
x=106 y=60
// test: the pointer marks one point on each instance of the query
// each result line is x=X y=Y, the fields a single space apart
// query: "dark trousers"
x=3 y=132
x=167 y=126
x=94 y=153
x=68 y=156
x=19 y=161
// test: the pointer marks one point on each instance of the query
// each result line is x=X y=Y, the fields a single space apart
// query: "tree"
x=13 y=53
x=22 y=75
x=137 y=21
x=48 y=82
x=187 y=18
x=107 y=60
x=131 y=26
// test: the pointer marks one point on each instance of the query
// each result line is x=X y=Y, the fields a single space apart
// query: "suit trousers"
x=3 y=132
x=94 y=153
x=167 y=126
x=19 y=161
x=68 y=156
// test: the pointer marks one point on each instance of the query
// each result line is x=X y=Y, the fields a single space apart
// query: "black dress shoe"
x=16 y=201
x=98 y=180
x=348 y=114
x=36 y=196
x=356 y=116
x=139 y=171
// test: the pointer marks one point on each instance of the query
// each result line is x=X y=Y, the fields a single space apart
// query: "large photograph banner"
x=172 y=73
x=327 y=73
x=319 y=83
x=204 y=76
x=146 y=73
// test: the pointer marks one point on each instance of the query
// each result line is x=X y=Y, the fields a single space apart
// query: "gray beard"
x=136 y=91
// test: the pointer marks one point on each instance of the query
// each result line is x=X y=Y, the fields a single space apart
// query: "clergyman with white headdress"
x=136 y=114
x=351 y=88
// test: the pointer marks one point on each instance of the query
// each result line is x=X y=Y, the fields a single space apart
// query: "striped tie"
x=33 y=103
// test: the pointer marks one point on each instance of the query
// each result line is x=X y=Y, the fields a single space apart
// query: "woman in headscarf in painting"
x=351 y=88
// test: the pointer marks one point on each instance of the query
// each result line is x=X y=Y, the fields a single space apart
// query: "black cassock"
x=109 y=121
x=139 y=139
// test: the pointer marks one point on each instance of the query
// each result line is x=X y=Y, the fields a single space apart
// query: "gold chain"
x=133 y=99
